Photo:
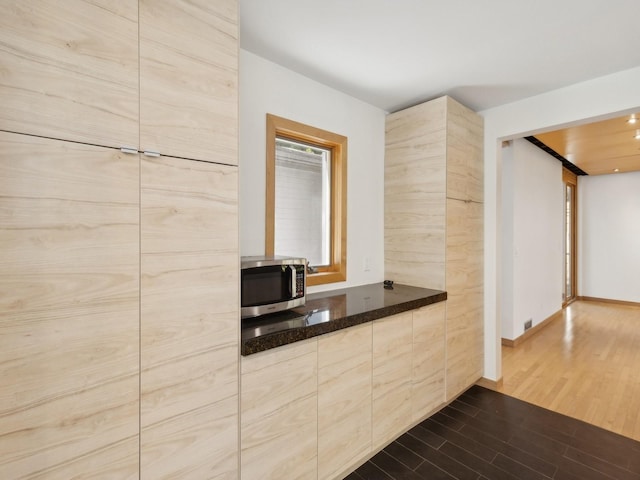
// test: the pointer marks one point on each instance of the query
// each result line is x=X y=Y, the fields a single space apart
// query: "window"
x=306 y=197
x=570 y=181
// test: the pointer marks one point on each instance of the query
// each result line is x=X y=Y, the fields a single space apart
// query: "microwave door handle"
x=293 y=281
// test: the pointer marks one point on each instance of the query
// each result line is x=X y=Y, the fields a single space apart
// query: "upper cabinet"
x=158 y=76
x=69 y=70
x=188 y=79
x=465 y=166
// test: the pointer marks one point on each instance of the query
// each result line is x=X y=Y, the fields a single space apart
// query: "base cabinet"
x=344 y=399
x=319 y=408
x=279 y=413
x=434 y=221
x=392 y=370
x=119 y=305
x=428 y=367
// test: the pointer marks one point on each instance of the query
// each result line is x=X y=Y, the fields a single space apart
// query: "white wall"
x=506 y=252
x=603 y=97
x=266 y=87
x=532 y=242
x=609 y=236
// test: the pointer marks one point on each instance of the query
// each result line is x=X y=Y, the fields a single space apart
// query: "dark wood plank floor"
x=485 y=435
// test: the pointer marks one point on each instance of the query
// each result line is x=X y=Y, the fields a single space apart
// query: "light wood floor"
x=585 y=365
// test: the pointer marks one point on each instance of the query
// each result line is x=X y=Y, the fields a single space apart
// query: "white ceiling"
x=484 y=53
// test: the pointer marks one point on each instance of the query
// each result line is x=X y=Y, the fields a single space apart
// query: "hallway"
x=585 y=365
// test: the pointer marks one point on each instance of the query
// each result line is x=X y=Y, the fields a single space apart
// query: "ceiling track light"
x=632 y=119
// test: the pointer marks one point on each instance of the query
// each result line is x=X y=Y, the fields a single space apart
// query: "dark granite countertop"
x=326 y=312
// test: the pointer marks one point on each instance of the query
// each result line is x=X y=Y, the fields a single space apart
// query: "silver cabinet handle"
x=129 y=150
x=149 y=153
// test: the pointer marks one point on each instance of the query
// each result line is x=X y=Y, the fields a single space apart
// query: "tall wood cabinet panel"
x=279 y=413
x=344 y=399
x=415 y=176
x=465 y=166
x=392 y=377
x=465 y=245
x=70 y=70
x=433 y=221
x=465 y=337
x=76 y=327
x=189 y=79
x=69 y=328
x=189 y=319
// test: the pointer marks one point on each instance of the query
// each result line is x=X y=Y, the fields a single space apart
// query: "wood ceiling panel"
x=599 y=148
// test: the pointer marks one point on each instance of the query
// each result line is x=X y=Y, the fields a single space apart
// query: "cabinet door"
x=279 y=413
x=465 y=321
x=189 y=79
x=427 y=387
x=69 y=330
x=70 y=70
x=344 y=399
x=189 y=320
x=392 y=369
x=465 y=174
x=415 y=176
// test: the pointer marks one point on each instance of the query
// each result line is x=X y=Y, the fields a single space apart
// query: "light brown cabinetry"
x=188 y=79
x=155 y=76
x=69 y=323
x=392 y=371
x=433 y=221
x=279 y=413
x=116 y=365
x=70 y=70
x=189 y=319
x=428 y=365
x=318 y=408
x=344 y=399
x=465 y=328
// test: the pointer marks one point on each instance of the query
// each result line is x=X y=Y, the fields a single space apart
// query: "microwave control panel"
x=300 y=281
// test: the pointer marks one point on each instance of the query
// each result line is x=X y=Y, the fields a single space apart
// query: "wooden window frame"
x=336 y=271
x=570 y=178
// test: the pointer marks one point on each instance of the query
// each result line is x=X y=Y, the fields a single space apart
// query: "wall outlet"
x=528 y=324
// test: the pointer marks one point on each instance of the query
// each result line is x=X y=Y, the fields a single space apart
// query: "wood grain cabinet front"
x=69 y=328
x=320 y=407
x=344 y=399
x=428 y=365
x=151 y=75
x=70 y=70
x=189 y=79
x=392 y=372
x=279 y=413
x=189 y=320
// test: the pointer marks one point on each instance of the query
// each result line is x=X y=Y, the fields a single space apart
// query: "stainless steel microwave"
x=271 y=283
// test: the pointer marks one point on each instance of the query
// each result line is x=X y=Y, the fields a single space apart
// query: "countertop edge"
x=286 y=337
